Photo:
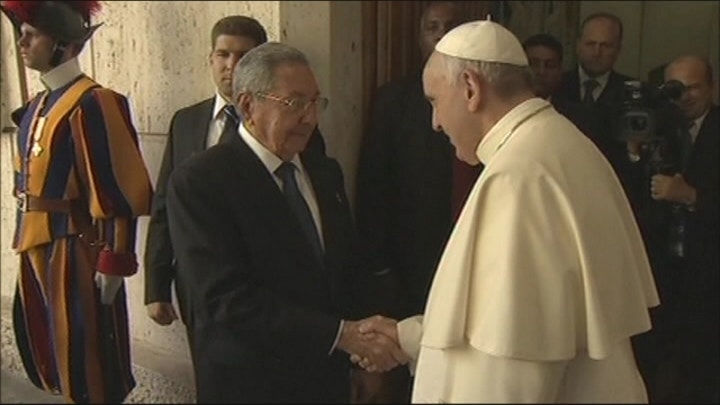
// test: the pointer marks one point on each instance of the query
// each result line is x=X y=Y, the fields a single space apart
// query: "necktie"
x=590 y=85
x=231 y=123
x=286 y=172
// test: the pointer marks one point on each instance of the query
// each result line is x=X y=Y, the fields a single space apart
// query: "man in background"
x=596 y=86
x=410 y=187
x=194 y=129
x=545 y=55
x=679 y=358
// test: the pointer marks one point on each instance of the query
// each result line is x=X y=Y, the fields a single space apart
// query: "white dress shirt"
x=217 y=122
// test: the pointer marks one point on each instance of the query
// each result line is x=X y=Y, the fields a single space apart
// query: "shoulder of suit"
x=209 y=163
x=313 y=158
x=620 y=78
x=192 y=109
x=712 y=119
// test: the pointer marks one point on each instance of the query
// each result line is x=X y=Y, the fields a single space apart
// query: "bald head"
x=696 y=74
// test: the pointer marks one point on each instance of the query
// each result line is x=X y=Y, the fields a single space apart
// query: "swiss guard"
x=80 y=185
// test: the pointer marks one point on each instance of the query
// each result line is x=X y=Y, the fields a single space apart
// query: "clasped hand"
x=373 y=343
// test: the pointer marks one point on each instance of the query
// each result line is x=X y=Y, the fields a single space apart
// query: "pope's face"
x=450 y=110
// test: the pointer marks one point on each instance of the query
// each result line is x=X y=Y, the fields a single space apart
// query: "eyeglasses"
x=300 y=104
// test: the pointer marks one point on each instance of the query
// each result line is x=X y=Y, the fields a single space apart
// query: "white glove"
x=108 y=285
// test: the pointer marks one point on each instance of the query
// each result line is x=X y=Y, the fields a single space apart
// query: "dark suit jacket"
x=266 y=310
x=599 y=123
x=685 y=330
x=187 y=136
x=699 y=347
x=404 y=185
x=571 y=86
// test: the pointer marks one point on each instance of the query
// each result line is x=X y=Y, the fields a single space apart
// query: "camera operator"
x=679 y=357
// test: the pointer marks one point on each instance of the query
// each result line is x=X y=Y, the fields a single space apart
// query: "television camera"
x=649 y=117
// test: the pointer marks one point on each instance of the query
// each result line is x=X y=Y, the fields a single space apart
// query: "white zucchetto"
x=485 y=41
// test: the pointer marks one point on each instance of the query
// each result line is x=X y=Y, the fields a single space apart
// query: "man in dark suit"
x=405 y=185
x=263 y=232
x=193 y=129
x=410 y=189
x=679 y=358
x=545 y=55
x=596 y=86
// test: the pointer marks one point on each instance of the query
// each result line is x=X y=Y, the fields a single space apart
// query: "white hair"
x=505 y=79
x=255 y=71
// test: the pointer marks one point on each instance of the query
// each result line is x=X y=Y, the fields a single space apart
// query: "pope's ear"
x=472 y=83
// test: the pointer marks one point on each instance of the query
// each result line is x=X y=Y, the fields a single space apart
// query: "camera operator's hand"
x=672 y=188
x=633 y=147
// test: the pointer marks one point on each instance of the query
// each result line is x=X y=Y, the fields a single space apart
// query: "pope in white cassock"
x=545 y=277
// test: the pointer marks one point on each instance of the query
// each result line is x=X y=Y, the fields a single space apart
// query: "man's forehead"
x=686 y=69
x=601 y=27
x=539 y=51
x=439 y=11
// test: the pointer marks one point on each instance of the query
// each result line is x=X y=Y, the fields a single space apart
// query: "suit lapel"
x=327 y=197
x=612 y=88
x=202 y=118
x=705 y=134
x=330 y=201
x=269 y=205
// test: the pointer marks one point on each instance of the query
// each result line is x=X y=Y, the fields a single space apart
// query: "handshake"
x=373 y=343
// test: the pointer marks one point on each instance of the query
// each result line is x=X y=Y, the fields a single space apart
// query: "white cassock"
x=543 y=280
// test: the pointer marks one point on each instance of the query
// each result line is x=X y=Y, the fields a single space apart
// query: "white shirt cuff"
x=337 y=337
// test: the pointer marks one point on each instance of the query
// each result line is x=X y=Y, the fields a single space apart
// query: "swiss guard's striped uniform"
x=78 y=161
x=80 y=184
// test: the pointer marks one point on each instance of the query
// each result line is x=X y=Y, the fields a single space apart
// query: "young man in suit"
x=262 y=230
x=679 y=357
x=194 y=129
